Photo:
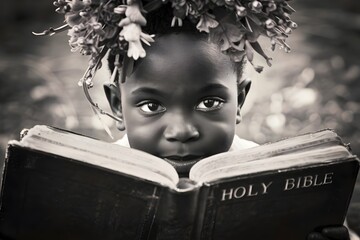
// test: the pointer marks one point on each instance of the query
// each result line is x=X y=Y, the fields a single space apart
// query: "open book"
x=61 y=185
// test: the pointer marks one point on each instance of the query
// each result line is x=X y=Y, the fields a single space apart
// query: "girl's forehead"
x=183 y=64
x=184 y=43
x=168 y=81
x=187 y=55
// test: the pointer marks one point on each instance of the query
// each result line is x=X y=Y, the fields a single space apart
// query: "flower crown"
x=97 y=27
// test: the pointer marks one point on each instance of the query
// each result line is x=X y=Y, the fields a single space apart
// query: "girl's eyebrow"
x=148 y=90
x=214 y=86
x=156 y=92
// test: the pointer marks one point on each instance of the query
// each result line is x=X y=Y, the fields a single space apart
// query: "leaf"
x=250 y=57
x=226 y=35
x=249 y=52
x=255 y=32
x=256 y=46
x=254 y=18
x=153 y=5
x=127 y=68
x=106 y=128
x=287 y=8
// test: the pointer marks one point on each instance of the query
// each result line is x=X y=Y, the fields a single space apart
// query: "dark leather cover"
x=280 y=214
x=50 y=197
x=45 y=196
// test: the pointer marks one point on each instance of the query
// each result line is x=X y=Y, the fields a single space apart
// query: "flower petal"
x=134 y=14
x=206 y=22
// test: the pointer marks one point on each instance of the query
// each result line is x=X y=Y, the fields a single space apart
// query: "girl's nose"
x=181 y=130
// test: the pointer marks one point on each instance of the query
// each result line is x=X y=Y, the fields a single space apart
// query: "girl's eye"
x=210 y=104
x=151 y=107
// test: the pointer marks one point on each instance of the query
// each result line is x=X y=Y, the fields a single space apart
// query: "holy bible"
x=61 y=185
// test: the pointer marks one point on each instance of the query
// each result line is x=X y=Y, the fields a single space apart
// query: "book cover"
x=50 y=197
x=287 y=204
x=109 y=192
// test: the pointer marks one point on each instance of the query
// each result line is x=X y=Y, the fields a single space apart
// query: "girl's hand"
x=330 y=233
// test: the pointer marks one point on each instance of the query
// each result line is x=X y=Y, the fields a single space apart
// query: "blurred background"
x=316 y=86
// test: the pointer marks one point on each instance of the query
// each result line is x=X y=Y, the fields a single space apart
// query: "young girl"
x=182 y=97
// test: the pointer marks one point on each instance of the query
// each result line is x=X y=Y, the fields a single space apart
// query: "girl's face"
x=180 y=103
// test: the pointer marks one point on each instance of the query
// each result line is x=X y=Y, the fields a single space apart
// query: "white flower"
x=132 y=13
x=133 y=35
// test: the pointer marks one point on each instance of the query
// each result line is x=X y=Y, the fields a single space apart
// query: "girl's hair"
x=159 y=23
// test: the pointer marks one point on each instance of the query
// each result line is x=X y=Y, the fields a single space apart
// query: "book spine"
x=177 y=214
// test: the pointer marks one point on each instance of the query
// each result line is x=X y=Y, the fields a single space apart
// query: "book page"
x=107 y=155
x=279 y=163
x=306 y=142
